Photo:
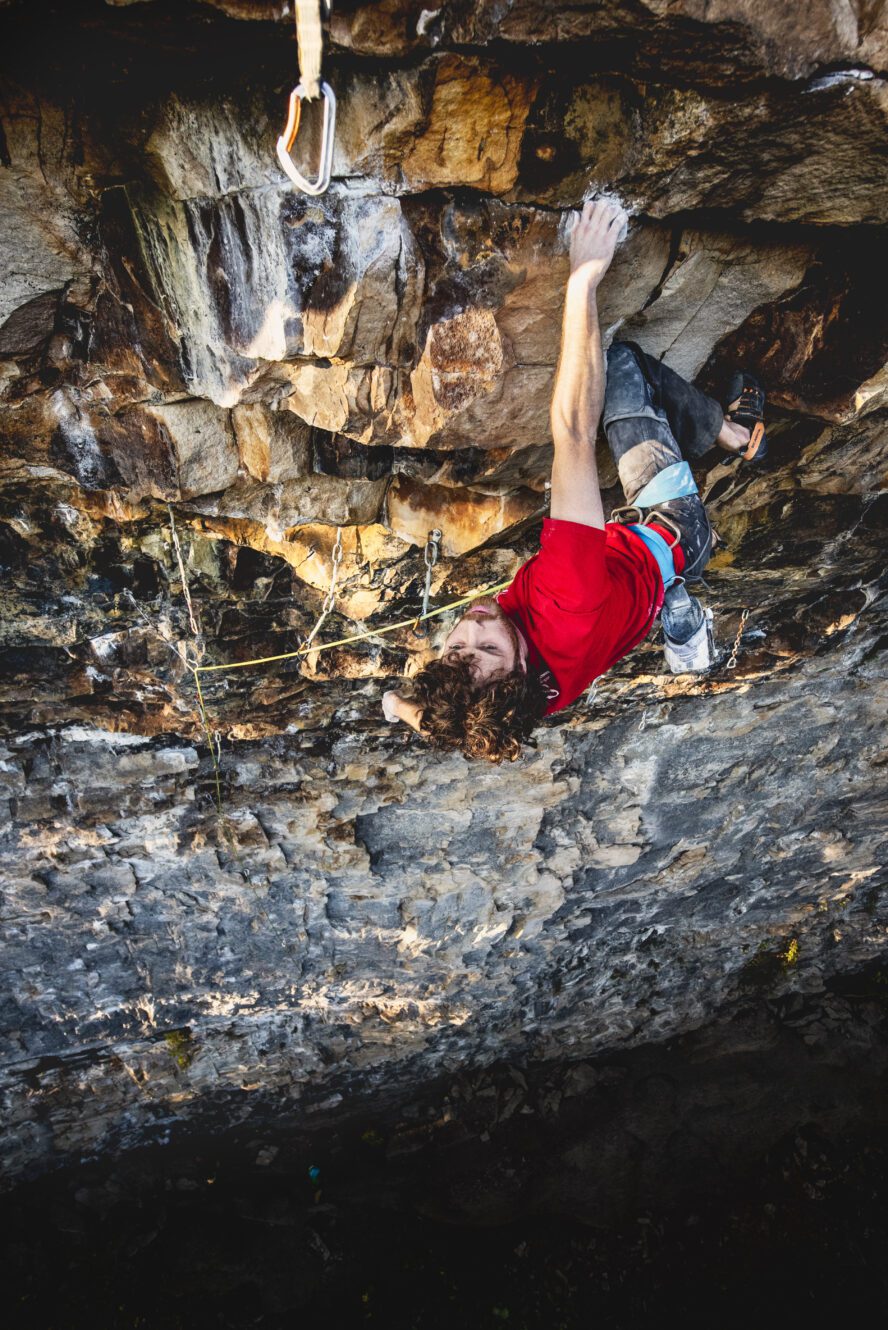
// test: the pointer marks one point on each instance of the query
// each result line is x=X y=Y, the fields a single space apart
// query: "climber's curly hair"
x=490 y=720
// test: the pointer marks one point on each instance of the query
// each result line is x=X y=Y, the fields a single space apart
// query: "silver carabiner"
x=430 y=559
x=288 y=138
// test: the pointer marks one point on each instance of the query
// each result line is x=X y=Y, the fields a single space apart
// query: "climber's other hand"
x=596 y=232
x=390 y=702
x=396 y=707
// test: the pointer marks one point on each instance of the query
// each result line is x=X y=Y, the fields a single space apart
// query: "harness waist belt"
x=660 y=550
x=673 y=482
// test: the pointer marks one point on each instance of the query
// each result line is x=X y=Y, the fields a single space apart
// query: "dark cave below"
x=734 y=1175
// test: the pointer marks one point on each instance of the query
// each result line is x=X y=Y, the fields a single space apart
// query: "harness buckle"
x=629 y=515
x=662 y=519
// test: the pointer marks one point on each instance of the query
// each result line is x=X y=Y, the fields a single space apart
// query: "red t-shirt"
x=584 y=601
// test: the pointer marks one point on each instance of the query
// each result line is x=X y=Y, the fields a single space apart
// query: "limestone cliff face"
x=181 y=332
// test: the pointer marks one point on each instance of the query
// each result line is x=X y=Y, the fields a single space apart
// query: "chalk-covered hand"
x=390 y=702
x=596 y=233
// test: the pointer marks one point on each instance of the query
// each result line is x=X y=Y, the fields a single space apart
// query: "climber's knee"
x=627 y=391
x=640 y=446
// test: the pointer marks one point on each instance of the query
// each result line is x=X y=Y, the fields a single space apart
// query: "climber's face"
x=487 y=639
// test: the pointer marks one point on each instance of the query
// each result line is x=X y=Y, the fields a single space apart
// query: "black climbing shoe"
x=748 y=393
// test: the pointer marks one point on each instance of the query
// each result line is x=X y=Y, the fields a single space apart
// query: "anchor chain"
x=732 y=659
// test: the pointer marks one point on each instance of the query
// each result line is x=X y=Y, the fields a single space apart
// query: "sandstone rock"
x=809 y=154
x=465 y=518
x=499 y=281
x=291 y=503
x=264 y=275
x=365 y=582
x=211 y=146
x=712 y=285
x=202 y=442
x=40 y=212
x=724 y=42
x=813 y=155
x=273 y=445
x=474 y=129
x=368 y=858
x=739 y=39
x=847 y=459
x=463 y=360
x=343 y=399
x=181 y=448
x=29 y=327
x=371 y=910
x=822 y=349
x=390 y=28
x=379 y=116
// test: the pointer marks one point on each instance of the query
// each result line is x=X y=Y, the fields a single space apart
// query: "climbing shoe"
x=687 y=632
x=746 y=406
x=695 y=655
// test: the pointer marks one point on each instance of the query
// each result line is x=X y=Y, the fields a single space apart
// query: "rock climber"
x=594 y=589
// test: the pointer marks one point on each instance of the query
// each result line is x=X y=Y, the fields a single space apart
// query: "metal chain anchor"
x=330 y=598
x=732 y=659
x=430 y=558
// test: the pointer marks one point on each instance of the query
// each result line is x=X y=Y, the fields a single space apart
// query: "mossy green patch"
x=181 y=1047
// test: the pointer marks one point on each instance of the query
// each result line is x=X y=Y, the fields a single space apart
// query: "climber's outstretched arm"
x=579 y=383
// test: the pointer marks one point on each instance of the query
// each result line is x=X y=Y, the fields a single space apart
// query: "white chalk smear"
x=425 y=18
x=839 y=77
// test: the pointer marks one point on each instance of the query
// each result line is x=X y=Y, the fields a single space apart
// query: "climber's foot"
x=743 y=432
x=694 y=656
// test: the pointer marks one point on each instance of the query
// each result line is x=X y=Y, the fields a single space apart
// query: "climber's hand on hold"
x=395 y=707
x=596 y=233
x=390 y=702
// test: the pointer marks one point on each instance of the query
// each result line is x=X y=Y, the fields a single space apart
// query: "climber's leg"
x=696 y=420
x=642 y=444
x=746 y=416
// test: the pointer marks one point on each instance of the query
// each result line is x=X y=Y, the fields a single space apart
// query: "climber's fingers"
x=390 y=702
x=603 y=215
x=596 y=231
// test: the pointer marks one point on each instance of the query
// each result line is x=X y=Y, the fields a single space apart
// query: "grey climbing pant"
x=654 y=418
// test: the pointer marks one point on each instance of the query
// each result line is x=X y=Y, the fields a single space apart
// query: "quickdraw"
x=430 y=558
x=310 y=86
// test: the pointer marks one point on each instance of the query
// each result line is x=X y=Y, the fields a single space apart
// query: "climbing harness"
x=673 y=482
x=430 y=558
x=661 y=550
x=310 y=86
x=731 y=663
x=330 y=598
x=684 y=654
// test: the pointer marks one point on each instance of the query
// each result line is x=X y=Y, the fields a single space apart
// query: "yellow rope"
x=305 y=649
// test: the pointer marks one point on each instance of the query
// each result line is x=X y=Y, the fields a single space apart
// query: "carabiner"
x=288 y=138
